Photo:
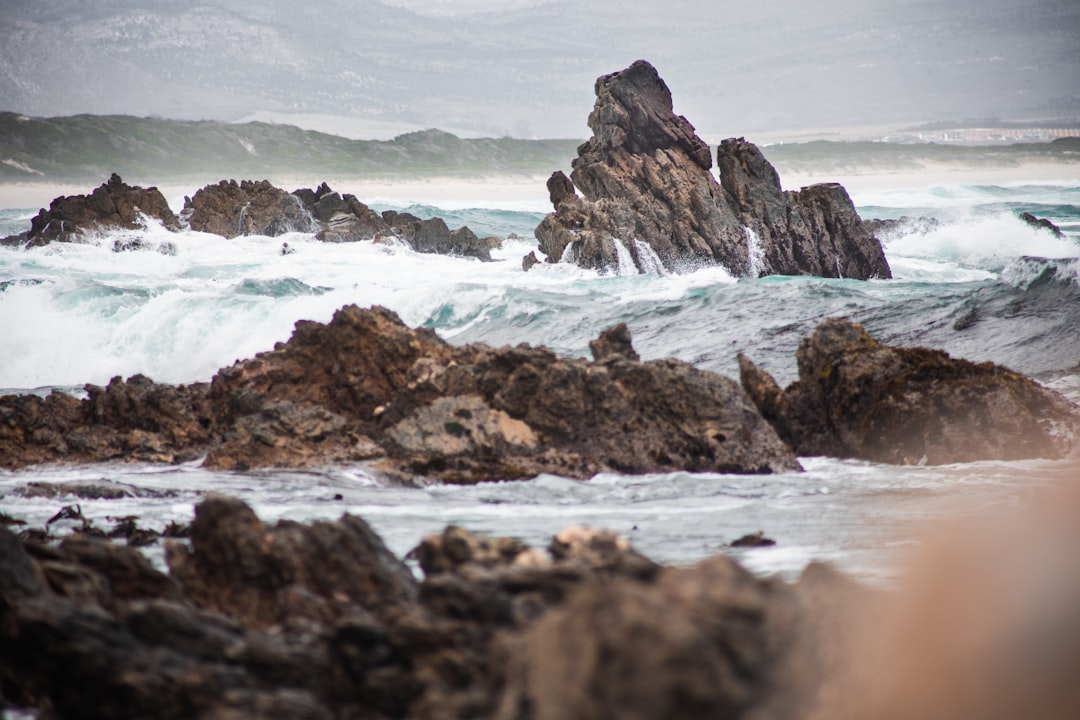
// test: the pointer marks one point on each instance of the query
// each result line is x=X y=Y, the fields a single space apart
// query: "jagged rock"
x=858 y=398
x=342 y=218
x=433 y=236
x=646 y=180
x=111 y=206
x=528 y=261
x=614 y=343
x=1041 y=224
x=815 y=231
x=232 y=209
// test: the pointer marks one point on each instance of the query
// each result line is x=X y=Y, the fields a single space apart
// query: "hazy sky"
x=526 y=67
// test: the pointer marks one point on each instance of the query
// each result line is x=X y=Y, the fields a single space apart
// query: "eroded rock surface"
x=367 y=387
x=112 y=205
x=232 y=209
x=650 y=197
x=858 y=398
x=318 y=621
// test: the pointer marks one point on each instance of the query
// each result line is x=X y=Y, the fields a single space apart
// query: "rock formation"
x=650 y=198
x=321 y=620
x=112 y=205
x=858 y=398
x=366 y=387
x=1041 y=224
x=232 y=209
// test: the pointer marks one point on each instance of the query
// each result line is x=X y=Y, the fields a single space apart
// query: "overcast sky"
x=526 y=67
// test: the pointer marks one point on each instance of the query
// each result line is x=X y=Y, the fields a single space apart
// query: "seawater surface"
x=980 y=284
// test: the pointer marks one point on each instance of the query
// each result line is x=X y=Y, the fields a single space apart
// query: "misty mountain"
x=528 y=69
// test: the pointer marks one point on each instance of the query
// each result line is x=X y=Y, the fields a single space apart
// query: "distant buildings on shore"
x=986 y=136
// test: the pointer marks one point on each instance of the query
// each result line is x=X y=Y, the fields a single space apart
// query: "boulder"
x=342 y=218
x=232 y=209
x=432 y=235
x=858 y=398
x=114 y=205
x=650 y=196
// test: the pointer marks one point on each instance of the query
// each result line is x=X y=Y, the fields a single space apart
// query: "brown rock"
x=232 y=209
x=111 y=206
x=646 y=180
x=528 y=261
x=614 y=343
x=858 y=398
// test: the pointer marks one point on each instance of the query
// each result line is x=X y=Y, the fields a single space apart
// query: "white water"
x=755 y=254
x=77 y=313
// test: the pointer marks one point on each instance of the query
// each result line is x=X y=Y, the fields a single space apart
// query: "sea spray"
x=755 y=253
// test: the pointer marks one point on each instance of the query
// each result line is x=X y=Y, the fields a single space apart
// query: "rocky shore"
x=233 y=209
x=649 y=195
x=366 y=388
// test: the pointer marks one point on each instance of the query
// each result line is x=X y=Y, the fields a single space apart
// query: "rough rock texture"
x=320 y=620
x=858 y=398
x=366 y=386
x=433 y=236
x=342 y=218
x=137 y=420
x=113 y=205
x=646 y=180
x=815 y=231
x=232 y=209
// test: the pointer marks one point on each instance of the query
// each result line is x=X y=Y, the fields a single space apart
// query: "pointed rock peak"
x=738 y=156
x=634 y=110
x=115 y=181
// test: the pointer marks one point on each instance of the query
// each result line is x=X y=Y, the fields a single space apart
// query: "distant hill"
x=90 y=147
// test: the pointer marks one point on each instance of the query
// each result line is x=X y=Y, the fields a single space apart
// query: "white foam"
x=626 y=265
x=755 y=253
x=650 y=261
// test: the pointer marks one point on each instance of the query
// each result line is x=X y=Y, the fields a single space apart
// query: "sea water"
x=980 y=284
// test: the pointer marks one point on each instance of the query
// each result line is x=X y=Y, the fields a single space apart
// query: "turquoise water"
x=981 y=285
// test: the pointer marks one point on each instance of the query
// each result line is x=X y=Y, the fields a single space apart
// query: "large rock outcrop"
x=650 y=198
x=858 y=398
x=232 y=209
x=366 y=387
x=317 y=621
x=112 y=205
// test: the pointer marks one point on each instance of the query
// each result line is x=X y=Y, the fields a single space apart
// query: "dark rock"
x=757 y=539
x=815 y=231
x=232 y=209
x=898 y=227
x=858 y=398
x=433 y=236
x=528 y=261
x=613 y=343
x=288 y=573
x=1041 y=224
x=114 y=205
x=101 y=490
x=617 y=649
x=646 y=180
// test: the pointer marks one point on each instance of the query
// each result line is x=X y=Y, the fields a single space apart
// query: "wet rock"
x=815 y=231
x=858 y=398
x=342 y=218
x=232 y=209
x=898 y=227
x=432 y=235
x=456 y=548
x=1041 y=224
x=646 y=185
x=102 y=490
x=529 y=260
x=756 y=539
x=114 y=205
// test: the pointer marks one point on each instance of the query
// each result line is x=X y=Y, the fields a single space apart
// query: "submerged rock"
x=114 y=205
x=1041 y=224
x=650 y=196
x=858 y=398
